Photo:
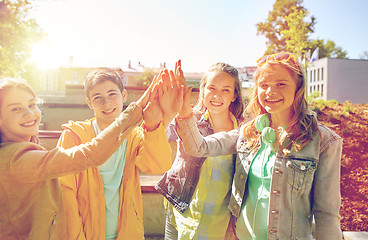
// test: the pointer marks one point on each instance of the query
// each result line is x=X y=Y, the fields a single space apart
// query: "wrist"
x=184 y=116
x=150 y=127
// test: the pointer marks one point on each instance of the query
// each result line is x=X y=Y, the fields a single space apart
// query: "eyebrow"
x=112 y=90
x=228 y=86
x=17 y=103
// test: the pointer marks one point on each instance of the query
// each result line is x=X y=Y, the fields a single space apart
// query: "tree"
x=145 y=78
x=328 y=49
x=364 y=55
x=286 y=28
x=18 y=32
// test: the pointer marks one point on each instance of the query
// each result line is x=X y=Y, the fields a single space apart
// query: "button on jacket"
x=304 y=184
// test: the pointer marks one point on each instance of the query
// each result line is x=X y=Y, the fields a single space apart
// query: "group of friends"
x=267 y=170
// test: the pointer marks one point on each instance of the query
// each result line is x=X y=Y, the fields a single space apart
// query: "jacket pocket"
x=300 y=172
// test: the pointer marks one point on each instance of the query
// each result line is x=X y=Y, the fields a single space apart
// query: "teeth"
x=216 y=104
x=273 y=100
x=109 y=111
x=29 y=123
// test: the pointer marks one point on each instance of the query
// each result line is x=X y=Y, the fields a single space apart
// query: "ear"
x=234 y=98
x=89 y=103
x=124 y=95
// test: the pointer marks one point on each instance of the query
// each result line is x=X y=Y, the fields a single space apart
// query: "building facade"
x=339 y=79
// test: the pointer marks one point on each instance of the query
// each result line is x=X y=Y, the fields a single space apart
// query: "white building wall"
x=340 y=79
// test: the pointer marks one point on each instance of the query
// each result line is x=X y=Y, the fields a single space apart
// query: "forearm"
x=29 y=163
x=195 y=144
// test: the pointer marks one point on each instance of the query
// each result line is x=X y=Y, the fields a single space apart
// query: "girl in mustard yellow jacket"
x=31 y=204
x=105 y=202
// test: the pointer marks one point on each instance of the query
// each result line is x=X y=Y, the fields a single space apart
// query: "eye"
x=281 y=84
x=32 y=105
x=16 y=109
x=113 y=94
x=226 y=90
x=263 y=85
x=96 y=98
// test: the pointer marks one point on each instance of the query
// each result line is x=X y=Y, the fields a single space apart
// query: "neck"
x=280 y=120
x=222 y=121
x=101 y=124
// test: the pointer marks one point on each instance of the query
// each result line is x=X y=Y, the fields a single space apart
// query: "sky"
x=111 y=33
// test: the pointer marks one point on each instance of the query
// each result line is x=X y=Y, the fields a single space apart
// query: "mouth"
x=29 y=124
x=273 y=100
x=216 y=104
x=109 y=111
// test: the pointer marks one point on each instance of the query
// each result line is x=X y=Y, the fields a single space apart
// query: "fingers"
x=154 y=92
x=166 y=80
x=173 y=80
x=181 y=78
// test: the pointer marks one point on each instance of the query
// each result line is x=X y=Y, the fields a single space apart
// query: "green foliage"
x=347 y=108
x=331 y=103
x=328 y=49
x=145 y=78
x=18 y=34
x=314 y=95
x=286 y=28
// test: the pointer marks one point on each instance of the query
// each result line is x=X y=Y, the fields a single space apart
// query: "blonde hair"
x=236 y=107
x=10 y=83
x=303 y=123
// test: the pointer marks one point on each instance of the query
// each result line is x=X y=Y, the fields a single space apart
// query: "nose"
x=270 y=91
x=28 y=111
x=105 y=101
x=217 y=95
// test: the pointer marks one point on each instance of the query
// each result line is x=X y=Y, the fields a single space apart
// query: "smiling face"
x=19 y=116
x=219 y=92
x=276 y=90
x=106 y=100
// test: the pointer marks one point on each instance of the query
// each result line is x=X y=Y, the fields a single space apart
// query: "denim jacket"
x=304 y=185
x=178 y=184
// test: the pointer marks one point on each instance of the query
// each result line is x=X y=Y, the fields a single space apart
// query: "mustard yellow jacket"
x=31 y=204
x=83 y=193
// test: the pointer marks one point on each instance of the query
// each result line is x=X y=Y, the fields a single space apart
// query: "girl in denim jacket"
x=287 y=172
x=201 y=210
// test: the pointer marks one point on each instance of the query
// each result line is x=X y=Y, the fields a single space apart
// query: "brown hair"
x=303 y=123
x=10 y=83
x=100 y=75
x=236 y=107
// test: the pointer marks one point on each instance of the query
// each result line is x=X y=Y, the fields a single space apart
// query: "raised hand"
x=143 y=100
x=186 y=109
x=152 y=113
x=170 y=96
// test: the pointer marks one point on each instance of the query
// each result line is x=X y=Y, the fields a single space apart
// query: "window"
x=75 y=78
x=49 y=81
x=318 y=75
x=322 y=74
x=321 y=90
